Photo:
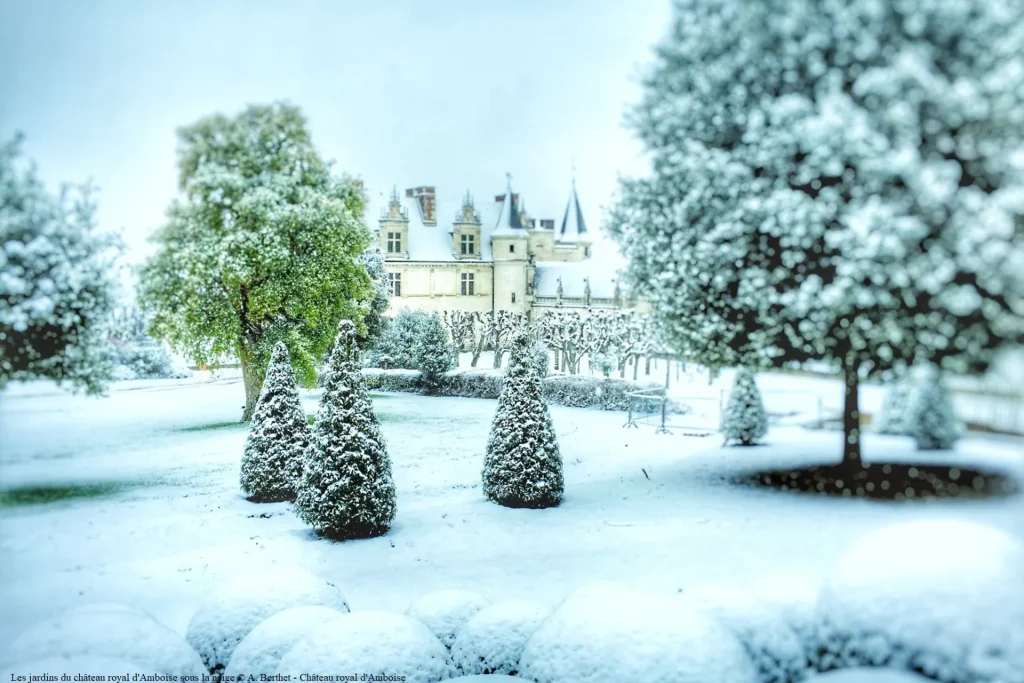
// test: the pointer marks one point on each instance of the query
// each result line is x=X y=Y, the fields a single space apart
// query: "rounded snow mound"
x=945 y=598
x=118 y=635
x=374 y=643
x=868 y=675
x=493 y=639
x=775 y=648
x=82 y=664
x=496 y=678
x=444 y=612
x=228 y=616
x=607 y=634
x=793 y=598
x=261 y=650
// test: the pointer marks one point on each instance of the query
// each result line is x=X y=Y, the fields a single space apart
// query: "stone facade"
x=489 y=258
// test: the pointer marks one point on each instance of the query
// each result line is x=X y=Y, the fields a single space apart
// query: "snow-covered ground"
x=643 y=510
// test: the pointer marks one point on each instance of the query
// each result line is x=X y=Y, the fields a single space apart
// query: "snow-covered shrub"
x=795 y=599
x=474 y=383
x=433 y=354
x=227 y=616
x=58 y=666
x=604 y=634
x=540 y=358
x=492 y=641
x=603 y=363
x=746 y=421
x=892 y=416
x=863 y=674
x=261 y=650
x=122 y=635
x=375 y=643
x=56 y=284
x=773 y=646
x=523 y=466
x=346 y=489
x=576 y=391
x=931 y=419
x=944 y=598
x=147 y=360
x=376 y=379
x=445 y=611
x=272 y=460
x=398 y=341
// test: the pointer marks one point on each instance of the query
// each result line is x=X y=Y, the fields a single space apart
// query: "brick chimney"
x=425 y=197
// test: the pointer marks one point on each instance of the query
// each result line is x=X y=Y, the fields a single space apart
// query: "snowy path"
x=178 y=525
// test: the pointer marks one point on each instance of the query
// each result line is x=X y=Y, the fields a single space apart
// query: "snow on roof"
x=574 y=277
x=573 y=227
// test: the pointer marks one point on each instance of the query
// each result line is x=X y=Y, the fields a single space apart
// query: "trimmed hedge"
x=575 y=391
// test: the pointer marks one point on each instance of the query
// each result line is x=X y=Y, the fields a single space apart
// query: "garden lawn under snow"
x=155 y=518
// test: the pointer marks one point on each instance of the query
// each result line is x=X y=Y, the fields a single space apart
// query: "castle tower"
x=509 y=246
x=573 y=231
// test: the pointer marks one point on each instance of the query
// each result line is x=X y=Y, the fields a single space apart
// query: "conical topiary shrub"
x=746 y=421
x=434 y=354
x=346 y=490
x=931 y=419
x=272 y=460
x=892 y=417
x=523 y=467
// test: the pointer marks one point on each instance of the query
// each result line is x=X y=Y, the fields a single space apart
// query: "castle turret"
x=509 y=246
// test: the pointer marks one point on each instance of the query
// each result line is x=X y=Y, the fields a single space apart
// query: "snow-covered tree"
x=564 y=332
x=931 y=418
x=461 y=326
x=373 y=314
x=540 y=361
x=523 y=467
x=850 y=195
x=399 y=339
x=892 y=417
x=272 y=460
x=745 y=421
x=56 y=291
x=433 y=354
x=346 y=489
x=262 y=246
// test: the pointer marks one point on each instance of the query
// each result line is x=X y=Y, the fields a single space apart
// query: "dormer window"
x=468 y=244
x=394 y=242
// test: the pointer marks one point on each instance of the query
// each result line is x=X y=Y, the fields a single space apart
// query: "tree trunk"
x=622 y=368
x=647 y=366
x=851 y=415
x=252 y=387
x=477 y=350
x=636 y=367
x=497 y=357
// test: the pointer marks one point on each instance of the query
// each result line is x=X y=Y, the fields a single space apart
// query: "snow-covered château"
x=489 y=256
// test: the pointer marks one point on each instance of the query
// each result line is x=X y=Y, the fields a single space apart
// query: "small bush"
x=375 y=379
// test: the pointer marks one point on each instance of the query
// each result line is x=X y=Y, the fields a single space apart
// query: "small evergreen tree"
x=398 y=340
x=346 y=489
x=434 y=354
x=931 y=419
x=540 y=361
x=892 y=417
x=523 y=467
x=746 y=421
x=272 y=460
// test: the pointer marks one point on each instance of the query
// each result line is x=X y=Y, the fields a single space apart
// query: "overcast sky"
x=453 y=93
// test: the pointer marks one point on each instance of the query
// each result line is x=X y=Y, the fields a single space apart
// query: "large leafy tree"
x=833 y=180
x=262 y=246
x=56 y=291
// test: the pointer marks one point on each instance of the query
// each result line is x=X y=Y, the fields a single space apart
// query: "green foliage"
x=56 y=291
x=374 y=322
x=263 y=246
x=433 y=354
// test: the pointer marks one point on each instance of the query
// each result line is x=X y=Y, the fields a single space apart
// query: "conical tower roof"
x=509 y=217
x=573 y=229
